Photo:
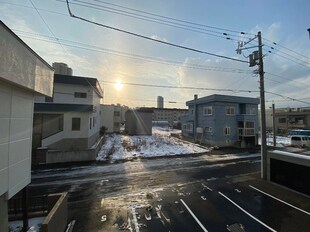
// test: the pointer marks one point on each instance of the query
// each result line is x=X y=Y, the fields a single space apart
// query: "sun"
x=118 y=85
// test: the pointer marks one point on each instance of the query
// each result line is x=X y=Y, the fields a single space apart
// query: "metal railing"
x=35 y=204
x=246 y=131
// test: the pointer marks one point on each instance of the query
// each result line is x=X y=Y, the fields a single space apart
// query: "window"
x=49 y=99
x=116 y=125
x=252 y=111
x=208 y=129
x=282 y=120
x=230 y=110
x=192 y=111
x=117 y=113
x=76 y=124
x=80 y=95
x=227 y=130
x=249 y=124
x=90 y=123
x=207 y=110
x=188 y=127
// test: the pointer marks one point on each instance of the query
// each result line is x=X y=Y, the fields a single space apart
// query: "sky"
x=145 y=69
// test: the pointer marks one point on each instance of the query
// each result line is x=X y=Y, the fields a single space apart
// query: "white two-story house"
x=70 y=120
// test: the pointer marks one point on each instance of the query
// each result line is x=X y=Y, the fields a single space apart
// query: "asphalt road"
x=203 y=193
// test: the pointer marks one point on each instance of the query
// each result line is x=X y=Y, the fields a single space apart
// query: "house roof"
x=57 y=107
x=224 y=98
x=78 y=80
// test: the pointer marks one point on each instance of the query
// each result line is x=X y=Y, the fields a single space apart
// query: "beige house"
x=23 y=74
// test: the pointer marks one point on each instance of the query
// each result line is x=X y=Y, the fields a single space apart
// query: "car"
x=300 y=141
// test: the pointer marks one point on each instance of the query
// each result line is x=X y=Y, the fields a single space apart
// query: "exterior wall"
x=22 y=66
x=138 y=123
x=169 y=115
x=108 y=118
x=68 y=139
x=16 y=117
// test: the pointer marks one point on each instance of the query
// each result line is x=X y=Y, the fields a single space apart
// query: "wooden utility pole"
x=262 y=105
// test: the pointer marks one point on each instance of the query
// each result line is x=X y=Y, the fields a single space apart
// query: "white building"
x=22 y=75
x=70 y=120
x=111 y=118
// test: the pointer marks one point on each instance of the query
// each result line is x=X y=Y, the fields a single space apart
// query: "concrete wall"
x=71 y=156
x=57 y=218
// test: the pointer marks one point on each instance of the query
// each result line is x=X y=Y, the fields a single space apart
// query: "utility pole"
x=262 y=106
x=274 y=126
x=256 y=58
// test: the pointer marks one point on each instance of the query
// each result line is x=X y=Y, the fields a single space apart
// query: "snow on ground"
x=122 y=147
x=280 y=141
x=34 y=225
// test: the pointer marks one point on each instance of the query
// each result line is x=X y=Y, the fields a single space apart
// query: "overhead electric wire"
x=191 y=27
x=181 y=87
x=152 y=39
x=291 y=50
x=174 y=19
x=84 y=46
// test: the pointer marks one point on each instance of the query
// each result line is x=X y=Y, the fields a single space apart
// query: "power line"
x=190 y=27
x=182 y=87
x=286 y=97
x=71 y=43
x=174 y=19
x=152 y=39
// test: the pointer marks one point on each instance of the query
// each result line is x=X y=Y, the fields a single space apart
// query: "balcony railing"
x=246 y=132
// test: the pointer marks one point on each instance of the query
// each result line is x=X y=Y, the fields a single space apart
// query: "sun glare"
x=118 y=85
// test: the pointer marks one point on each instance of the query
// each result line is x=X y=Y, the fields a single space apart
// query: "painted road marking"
x=194 y=216
x=267 y=194
x=246 y=212
x=135 y=221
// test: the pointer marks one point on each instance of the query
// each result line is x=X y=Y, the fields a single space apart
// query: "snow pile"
x=123 y=147
x=281 y=141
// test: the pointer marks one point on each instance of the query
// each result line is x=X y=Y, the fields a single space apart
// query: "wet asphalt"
x=190 y=193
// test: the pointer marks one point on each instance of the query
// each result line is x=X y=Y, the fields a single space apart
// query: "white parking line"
x=301 y=210
x=194 y=216
x=246 y=212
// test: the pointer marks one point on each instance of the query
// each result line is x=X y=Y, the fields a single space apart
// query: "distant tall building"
x=160 y=102
x=62 y=69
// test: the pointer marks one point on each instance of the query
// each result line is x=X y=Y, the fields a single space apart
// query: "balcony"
x=246 y=132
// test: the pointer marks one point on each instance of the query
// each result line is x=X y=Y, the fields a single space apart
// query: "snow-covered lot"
x=124 y=147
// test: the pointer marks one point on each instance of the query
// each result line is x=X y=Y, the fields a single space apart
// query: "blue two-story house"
x=222 y=120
